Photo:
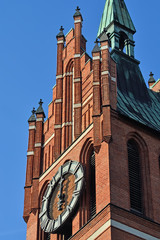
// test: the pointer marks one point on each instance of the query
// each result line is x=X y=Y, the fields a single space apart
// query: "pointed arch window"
x=135 y=178
x=92 y=209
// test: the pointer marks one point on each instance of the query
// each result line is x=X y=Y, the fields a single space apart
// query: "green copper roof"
x=115 y=11
x=134 y=99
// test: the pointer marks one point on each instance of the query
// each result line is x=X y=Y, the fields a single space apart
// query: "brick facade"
x=81 y=117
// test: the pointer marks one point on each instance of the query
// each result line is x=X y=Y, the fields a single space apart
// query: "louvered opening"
x=134 y=176
x=92 y=186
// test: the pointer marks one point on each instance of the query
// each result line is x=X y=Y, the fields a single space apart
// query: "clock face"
x=61 y=196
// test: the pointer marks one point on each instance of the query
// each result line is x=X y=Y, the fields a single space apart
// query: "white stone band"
x=48 y=140
x=32 y=127
x=68 y=74
x=30 y=153
x=57 y=126
x=77 y=80
x=59 y=76
x=104 y=47
x=77 y=105
x=38 y=145
x=60 y=41
x=58 y=100
x=87 y=100
x=96 y=58
x=105 y=73
x=122 y=227
x=78 y=21
x=77 y=55
x=39 y=119
x=67 y=124
x=96 y=83
x=113 y=79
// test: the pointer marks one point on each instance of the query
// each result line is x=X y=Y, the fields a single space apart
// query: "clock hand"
x=61 y=195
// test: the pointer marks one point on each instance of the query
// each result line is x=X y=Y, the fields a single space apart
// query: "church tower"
x=93 y=167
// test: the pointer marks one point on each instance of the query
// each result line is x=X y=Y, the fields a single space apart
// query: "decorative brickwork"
x=84 y=126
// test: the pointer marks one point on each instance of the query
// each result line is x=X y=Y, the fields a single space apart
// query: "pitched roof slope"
x=135 y=100
x=115 y=10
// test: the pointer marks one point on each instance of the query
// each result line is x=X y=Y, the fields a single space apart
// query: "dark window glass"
x=92 y=185
x=134 y=176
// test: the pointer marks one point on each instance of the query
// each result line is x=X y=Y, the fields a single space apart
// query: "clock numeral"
x=45 y=198
x=42 y=213
x=76 y=193
x=50 y=226
x=60 y=171
x=76 y=168
x=44 y=223
x=69 y=165
x=52 y=182
x=59 y=220
x=69 y=208
x=78 y=179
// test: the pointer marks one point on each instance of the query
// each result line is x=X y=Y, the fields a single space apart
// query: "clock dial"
x=61 y=196
x=68 y=188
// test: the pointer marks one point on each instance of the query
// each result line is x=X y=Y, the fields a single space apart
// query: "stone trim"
x=60 y=100
x=59 y=76
x=30 y=153
x=60 y=41
x=66 y=152
x=68 y=74
x=57 y=126
x=32 y=127
x=96 y=58
x=67 y=124
x=84 y=103
x=48 y=140
x=105 y=73
x=77 y=55
x=104 y=47
x=78 y=21
x=77 y=80
x=122 y=227
x=39 y=119
x=77 y=105
x=96 y=83
x=113 y=79
x=38 y=145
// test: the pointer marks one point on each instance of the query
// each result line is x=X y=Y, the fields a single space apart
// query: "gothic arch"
x=85 y=158
x=68 y=101
x=42 y=235
x=123 y=37
x=145 y=171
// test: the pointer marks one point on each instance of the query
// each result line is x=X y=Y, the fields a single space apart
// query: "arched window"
x=92 y=209
x=135 y=178
x=122 y=39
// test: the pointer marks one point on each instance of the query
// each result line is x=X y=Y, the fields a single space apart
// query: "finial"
x=78 y=9
x=96 y=41
x=61 y=29
x=33 y=111
x=151 y=79
x=96 y=47
x=40 y=102
x=77 y=13
x=60 y=34
x=32 y=117
x=40 y=108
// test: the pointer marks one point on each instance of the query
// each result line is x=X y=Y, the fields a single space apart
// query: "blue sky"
x=28 y=31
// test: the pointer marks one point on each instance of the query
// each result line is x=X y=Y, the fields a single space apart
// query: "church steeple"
x=116 y=21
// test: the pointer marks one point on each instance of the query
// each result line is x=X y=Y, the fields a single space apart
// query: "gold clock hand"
x=61 y=195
